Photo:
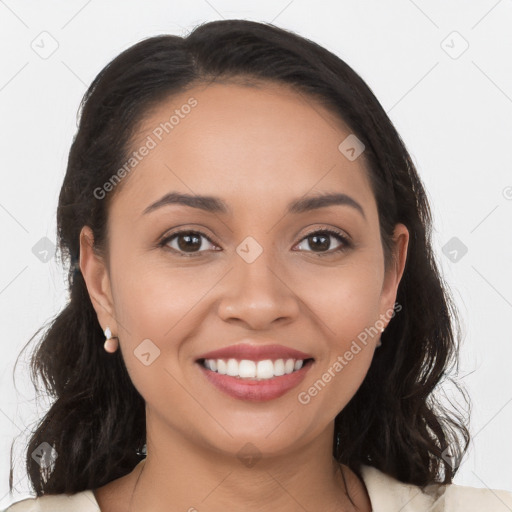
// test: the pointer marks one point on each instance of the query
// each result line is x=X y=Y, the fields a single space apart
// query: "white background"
x=454 y=114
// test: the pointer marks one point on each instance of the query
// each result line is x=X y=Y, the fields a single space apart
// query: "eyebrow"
x=216 y=205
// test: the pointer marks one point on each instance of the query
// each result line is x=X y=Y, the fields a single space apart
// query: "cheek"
x=153 y=314
x=336 y=380
x=155 y=317
x=347 y=302
x=153 y=301
x=347 y=299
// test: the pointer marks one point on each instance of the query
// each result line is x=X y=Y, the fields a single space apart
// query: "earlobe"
x=96 y=277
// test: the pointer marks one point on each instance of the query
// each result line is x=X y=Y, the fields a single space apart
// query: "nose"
x=258 y=294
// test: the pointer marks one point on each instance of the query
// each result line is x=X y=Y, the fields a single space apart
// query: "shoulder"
x=390 y=495
x=80 y=502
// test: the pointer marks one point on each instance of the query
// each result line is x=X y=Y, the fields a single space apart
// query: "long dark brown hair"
x=96 y=422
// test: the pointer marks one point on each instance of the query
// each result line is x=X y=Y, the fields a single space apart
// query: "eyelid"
x=345 y=239
x=166 y=238
x=335 y=232
x=328 y=229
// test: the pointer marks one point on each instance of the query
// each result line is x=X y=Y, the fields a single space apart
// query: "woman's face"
x=251 y=272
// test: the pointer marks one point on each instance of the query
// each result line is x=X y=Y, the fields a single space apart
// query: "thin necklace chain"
x=338 y=470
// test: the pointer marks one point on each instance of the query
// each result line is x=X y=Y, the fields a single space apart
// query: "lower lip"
x=256 y=390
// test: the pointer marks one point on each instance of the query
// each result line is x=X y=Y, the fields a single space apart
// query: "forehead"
x=264 y=142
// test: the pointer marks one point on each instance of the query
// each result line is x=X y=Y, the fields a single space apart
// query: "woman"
x=256 y=319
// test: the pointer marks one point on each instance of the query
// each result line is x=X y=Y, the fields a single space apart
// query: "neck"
x=181 y=474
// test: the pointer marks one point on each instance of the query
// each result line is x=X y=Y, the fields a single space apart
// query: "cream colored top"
x=386 y=495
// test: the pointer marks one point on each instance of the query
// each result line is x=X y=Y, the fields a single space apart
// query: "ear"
x=97 y=280
x=394 y=273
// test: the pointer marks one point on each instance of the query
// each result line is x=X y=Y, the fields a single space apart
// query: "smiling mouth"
x=247 y=369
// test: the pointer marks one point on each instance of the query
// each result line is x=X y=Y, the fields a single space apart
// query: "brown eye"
x=186 y=242
x=320 y=242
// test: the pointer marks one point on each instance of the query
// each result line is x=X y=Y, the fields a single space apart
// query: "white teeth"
x=279 y=367
x=247 y=369
x=265 y=369
x=232 y=370
x=222 y=367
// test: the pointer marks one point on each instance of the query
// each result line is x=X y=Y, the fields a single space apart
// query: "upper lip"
x=255 y=352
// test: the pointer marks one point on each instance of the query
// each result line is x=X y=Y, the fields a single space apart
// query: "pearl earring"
x=111 y=342
x=380 y=340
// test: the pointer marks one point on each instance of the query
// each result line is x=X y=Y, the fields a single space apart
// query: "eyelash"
x=346 y=244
